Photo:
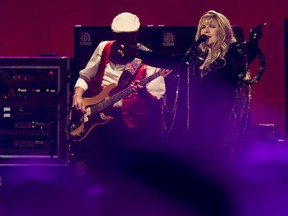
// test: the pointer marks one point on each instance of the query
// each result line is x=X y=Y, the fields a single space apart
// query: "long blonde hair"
x=226 y=36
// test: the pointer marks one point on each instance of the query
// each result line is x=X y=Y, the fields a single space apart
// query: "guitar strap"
x=97 y=88
x=134 y=108
x=129 y=73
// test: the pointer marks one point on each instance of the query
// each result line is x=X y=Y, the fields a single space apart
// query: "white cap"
x=125 y=22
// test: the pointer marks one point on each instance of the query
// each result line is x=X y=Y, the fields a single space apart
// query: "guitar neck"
x=125 y=92
x=145 y=81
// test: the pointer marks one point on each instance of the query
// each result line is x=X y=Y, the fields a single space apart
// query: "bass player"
x=125 y=120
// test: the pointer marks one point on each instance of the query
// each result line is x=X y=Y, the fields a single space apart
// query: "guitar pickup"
x=88 y=112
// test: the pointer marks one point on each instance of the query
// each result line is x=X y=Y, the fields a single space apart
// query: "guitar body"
x=81 y=124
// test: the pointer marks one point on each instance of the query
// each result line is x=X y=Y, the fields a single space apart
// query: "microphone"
x=196 y=44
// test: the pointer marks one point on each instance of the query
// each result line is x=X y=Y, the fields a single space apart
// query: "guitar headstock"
x=165 y=72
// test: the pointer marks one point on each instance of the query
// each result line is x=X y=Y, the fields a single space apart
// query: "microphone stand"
x=191 y=81
x=192 y=69
x=188 y=102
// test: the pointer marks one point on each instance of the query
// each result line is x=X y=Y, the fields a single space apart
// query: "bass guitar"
x=81 y=124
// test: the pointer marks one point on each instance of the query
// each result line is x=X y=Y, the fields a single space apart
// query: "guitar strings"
x=95 y=109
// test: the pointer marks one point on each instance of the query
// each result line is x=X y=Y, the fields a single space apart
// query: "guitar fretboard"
x=121 y=94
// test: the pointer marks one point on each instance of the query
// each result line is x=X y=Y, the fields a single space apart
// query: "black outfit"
x=217 y=98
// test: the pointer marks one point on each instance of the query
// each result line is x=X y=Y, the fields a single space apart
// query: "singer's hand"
x=256 y=32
